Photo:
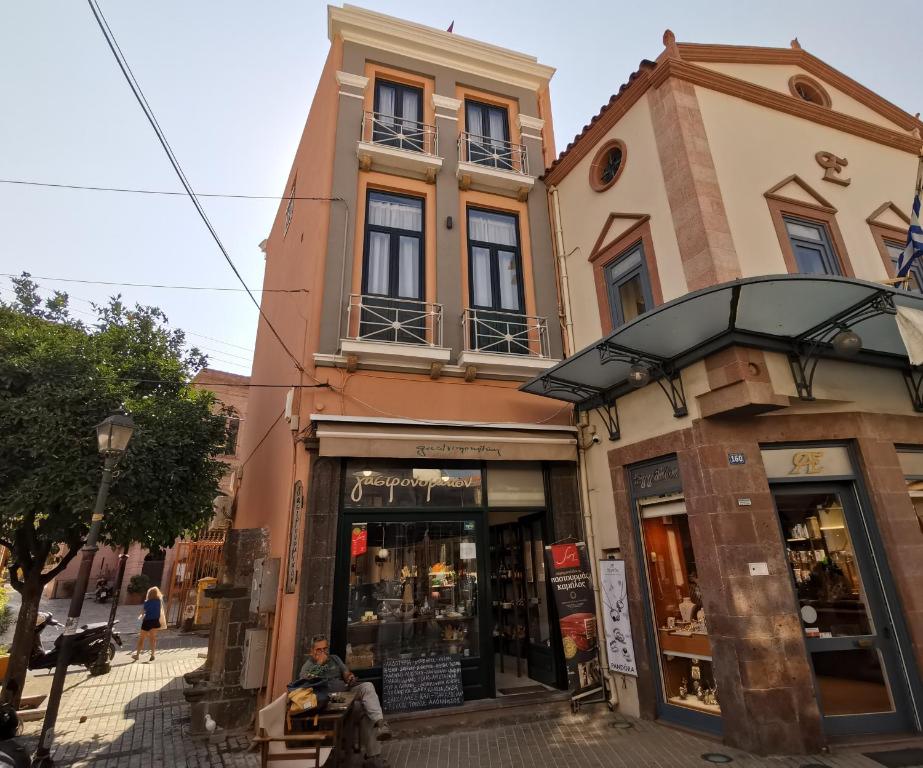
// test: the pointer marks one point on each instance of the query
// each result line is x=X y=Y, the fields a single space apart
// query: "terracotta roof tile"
x=645 y=64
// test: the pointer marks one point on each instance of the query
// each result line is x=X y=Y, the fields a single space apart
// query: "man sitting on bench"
x=323 y=664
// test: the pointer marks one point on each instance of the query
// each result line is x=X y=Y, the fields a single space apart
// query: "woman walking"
x=152 y=619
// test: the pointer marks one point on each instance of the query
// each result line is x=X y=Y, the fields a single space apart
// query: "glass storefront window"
x=676 y=604
x=374 y=484
x=823 y=563
x=412 y=591
x=912 y=464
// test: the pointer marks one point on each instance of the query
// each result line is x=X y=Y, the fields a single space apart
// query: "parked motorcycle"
x=86 y=644
x=103 y=590
x=12 y=753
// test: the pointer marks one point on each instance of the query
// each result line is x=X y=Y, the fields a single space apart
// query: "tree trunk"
x=23 y=637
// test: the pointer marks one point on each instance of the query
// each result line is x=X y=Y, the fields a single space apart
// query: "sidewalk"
x=136 y=717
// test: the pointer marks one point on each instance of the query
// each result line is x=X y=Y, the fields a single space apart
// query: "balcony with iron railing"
x=399 y=145
x=505 y=342
x=493 y=164
x=385 y=331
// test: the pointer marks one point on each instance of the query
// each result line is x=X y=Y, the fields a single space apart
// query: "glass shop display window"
x=823 y=565
x=676 y=605
x=412 y=591
x=912 y=463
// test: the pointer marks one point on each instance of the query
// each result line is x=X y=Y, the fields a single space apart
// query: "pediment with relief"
x=890 y=216
x=795 y=189
x=617 y=226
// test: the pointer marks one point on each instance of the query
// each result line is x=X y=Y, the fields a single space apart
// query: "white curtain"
x=393 y=212
x=473 y=121
x=480 y=276
x=409 y=268
x=379 y=244
x=386 y=101
x=509 y=281
x=497 y=122
x=410 y=106
x=492 y=228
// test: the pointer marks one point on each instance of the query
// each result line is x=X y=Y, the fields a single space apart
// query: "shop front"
x=444 y=557
x=767 y=506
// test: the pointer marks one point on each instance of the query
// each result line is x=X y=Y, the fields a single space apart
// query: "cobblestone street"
x=136 y=717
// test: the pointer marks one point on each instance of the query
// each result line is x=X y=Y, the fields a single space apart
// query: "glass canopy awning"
x=808 y=317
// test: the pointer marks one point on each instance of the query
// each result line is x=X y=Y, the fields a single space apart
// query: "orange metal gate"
x=194 y=560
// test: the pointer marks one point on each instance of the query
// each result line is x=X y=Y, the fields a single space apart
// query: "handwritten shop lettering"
x=441 y=450
x=391 y=482
x=645 y=479
x=567 y=582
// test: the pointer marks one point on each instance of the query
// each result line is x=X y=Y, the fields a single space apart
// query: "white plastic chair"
x=279 y=747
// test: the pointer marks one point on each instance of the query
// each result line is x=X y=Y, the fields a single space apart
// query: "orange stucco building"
x=389 y=451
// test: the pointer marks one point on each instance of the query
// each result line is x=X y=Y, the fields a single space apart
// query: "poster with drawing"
x=616 y=622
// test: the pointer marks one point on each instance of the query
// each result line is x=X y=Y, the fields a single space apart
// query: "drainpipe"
x=590 y=532
x=564 y=303
x=588 y=527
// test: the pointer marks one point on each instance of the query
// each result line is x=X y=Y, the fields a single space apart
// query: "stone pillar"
x=900 y=529
x=699 y=218
x=318 y=558
x=217 y=691
x=761 y=666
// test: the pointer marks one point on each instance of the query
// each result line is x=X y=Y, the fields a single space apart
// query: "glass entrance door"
x=540 y=652
x=848 y=631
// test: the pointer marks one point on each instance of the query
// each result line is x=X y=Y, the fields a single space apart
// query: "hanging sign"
x=359 y=542
x=572 y=583
x=291 y=572
x=616 y=621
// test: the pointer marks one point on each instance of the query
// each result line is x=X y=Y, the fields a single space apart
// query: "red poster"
x=565 y=556
x=360 y=541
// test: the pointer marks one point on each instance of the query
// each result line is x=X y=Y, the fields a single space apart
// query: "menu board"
x=428 y=682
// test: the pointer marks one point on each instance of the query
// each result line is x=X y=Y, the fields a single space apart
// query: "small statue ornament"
x=683 y=689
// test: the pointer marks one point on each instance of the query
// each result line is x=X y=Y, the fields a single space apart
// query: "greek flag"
x=914 y=248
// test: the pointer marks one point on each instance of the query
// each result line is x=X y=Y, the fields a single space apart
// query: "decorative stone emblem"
x=807 y=463
x=833 y=166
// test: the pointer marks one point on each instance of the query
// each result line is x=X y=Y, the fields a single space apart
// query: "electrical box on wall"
x=252 y=671
x=265 y=584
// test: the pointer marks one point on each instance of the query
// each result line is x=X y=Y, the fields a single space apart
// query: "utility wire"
x=161 y=137
x=136 y=191
x=118 y=284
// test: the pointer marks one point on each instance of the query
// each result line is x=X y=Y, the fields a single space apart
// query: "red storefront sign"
x=359 y=543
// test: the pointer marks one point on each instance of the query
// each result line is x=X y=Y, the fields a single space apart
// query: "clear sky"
x=231 y=82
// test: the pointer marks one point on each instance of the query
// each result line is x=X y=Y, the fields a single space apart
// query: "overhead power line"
x=161 y=137
x=119 y=284
x=167 y=193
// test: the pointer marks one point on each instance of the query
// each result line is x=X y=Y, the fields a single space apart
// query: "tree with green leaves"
x=59 y=378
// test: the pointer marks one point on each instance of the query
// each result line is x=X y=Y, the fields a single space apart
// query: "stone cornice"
x=446 y=102
x=386 y=33
x=349 y=80
x=531 y=123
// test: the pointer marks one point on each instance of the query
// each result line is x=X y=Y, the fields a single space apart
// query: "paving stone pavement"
x=136 y=717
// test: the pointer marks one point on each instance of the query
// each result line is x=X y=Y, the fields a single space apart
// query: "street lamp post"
x=113 y=435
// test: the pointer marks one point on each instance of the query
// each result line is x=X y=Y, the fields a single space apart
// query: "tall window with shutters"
x=497 y=322
x=398 y=116
x=488 y=135
x=393 y=269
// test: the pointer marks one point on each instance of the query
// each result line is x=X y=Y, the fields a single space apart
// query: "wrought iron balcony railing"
x=395 y=321
x=494 y=153
x=397 y=132
x=505 y=333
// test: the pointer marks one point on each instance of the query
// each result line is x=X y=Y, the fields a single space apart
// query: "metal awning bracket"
x=914 y=381
x=672 y=385
x=609 y=413
x=552 y=385
x=807 y=347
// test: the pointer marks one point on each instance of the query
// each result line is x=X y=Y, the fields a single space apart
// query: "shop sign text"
x=391 y=482
x=446 y=450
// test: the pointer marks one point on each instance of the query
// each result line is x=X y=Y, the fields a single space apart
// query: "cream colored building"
x=715 y=164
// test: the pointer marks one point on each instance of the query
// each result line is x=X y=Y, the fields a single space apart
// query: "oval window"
x=608 y=165
x=809 y=90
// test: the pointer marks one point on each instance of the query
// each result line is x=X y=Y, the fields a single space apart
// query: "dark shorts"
x=148 y=624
